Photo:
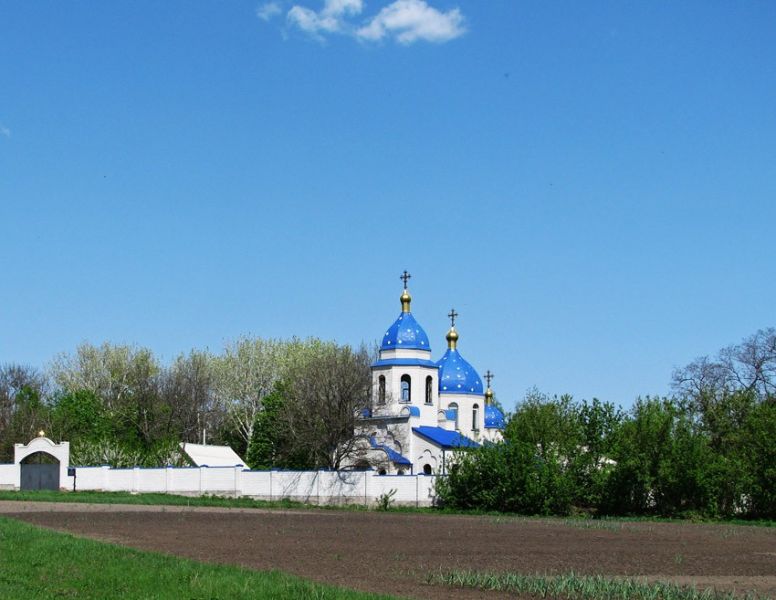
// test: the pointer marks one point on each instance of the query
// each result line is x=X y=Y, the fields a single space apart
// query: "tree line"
x=279 y=403
x=708 y=450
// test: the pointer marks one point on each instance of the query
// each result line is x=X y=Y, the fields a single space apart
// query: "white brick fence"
x=314 y=487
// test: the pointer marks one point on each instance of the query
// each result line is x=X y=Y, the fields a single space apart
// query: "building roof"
x=393 y=456
x=405 y=333
x=444 y=438
x=404 y=362
x=494 y=418
x=457 y=376
x=212 y=456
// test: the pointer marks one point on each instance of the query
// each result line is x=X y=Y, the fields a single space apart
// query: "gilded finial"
x=452 y=335
x=489 y=392
x=405 y=296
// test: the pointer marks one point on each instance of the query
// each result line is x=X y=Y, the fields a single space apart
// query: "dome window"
x=476 y=417
x=406 y=389
x=381 y=390
x=429 y=389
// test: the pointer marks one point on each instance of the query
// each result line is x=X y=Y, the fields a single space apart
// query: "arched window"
x=475 y=417
x=427 y=469
x=454 y=409
x=381 y=472
x=429 y=388
x=405 y=388
x=381 y=390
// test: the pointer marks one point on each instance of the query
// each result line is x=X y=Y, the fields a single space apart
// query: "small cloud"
x=330 y=19
x=268 y=10
x=406 y=21
x=412 y=20
x=4 y=131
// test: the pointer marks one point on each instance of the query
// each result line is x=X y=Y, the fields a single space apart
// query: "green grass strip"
x=42 y=564
x=579 y=587
x=159 y=499
x=156 y=499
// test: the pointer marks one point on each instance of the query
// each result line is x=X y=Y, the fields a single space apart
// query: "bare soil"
x=393 y=553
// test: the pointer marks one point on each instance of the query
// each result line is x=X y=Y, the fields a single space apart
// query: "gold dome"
x=452 y=338
x=405 y=301
x=489 y=396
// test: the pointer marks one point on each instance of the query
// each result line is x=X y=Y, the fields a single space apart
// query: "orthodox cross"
x=452 y=314
x=488 y=377
x=405 y=277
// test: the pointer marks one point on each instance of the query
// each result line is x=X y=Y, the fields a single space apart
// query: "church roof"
x=405 y=333
x=393 y=456
x=457 y=376
x=494 y=418
x=444 y=438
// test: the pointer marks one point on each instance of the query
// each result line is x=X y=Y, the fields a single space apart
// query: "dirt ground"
x=393 y=552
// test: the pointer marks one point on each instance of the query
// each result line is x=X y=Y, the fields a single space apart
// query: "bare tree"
x=325 y=395
x=748 y=366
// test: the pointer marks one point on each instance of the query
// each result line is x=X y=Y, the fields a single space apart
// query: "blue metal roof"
x=393 y=456
x=413 y=411
x=494 y=418
x=445 y=438
x=456 y=376
x=407 y=333
x=405 y=362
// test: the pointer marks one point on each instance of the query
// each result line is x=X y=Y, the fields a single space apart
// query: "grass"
x=584 y=522
x=148 y=499
x=579 y=587
x=42 y=564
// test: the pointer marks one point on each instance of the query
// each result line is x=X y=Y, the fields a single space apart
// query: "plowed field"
x=394 y=552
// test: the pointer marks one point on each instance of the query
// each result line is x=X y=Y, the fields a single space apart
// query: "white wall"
x=315 y=487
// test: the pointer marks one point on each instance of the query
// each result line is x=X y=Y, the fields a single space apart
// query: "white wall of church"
x=393 y=388
x=466 y=403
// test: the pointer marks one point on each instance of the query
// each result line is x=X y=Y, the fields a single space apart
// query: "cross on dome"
x=405 y=277
x=452 y=314
x=488 y=377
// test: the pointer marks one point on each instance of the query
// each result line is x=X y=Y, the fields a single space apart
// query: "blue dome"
x=405 y=333
x=456 y=376
x=494 y=418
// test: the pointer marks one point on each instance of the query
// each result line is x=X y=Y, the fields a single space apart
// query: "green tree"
x=267 y=445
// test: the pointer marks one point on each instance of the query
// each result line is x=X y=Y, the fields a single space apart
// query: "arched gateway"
x=42 y=463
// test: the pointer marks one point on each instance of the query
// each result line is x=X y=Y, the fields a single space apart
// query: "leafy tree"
x=507 y=477
x=662 y=463
x=759 y=453
x=80 y=415
x=267 y=446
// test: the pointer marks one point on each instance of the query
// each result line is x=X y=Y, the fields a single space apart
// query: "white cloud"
x=406 y=21
x=412 y=20
x=268 y=10
x=4 y=131
x=330 y=19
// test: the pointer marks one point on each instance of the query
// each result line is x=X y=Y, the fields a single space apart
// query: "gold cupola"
x=452 y=335
x=452 y=338
x=405 y=298
x=489 y=392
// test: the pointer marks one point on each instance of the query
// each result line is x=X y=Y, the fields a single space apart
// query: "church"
x=423 y=411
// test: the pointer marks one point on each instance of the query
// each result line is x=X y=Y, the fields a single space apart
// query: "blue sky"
x=591 y=185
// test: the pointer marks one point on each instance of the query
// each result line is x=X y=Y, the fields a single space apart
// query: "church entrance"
x=39 y=471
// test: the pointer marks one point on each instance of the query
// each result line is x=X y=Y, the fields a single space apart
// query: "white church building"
x=423 y=411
